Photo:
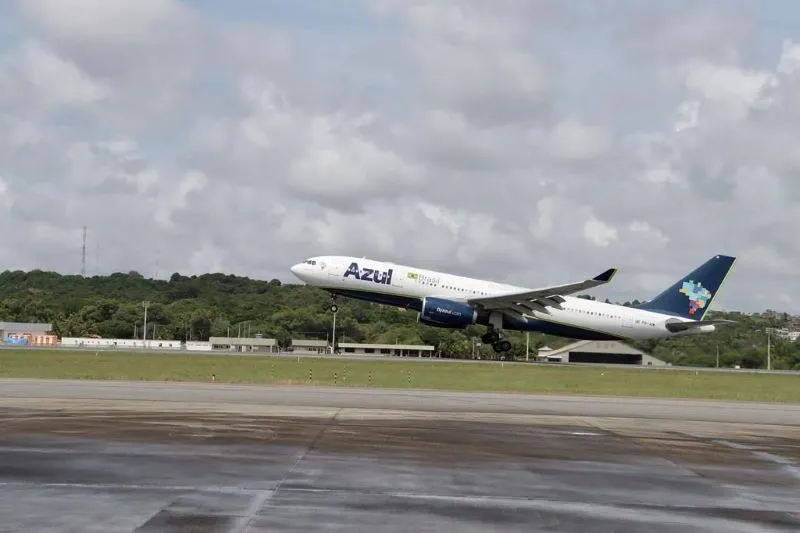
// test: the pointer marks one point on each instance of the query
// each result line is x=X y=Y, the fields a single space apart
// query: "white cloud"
x=468 y=56
x=789 y=61
x=644 y=227
x=52 y=80
x=735 y=90
x=344 y=165
x=571 y=139
x=660 y=175
x=104 y=21
x=767 y=260
x=599 y=233
x=469 y=136
x=687 y=115
x=5 y=195
x=192 y=182
x=542 y=224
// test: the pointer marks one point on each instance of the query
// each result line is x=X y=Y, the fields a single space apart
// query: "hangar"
x=602 y=352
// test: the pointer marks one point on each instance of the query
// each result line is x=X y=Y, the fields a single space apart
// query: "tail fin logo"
x=697 y=294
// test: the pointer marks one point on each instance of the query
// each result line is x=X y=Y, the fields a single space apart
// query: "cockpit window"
x=310 y=262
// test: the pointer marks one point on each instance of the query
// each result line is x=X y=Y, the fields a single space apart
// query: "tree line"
x=198 y=307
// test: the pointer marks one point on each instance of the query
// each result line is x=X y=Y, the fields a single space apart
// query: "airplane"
x=451 y=301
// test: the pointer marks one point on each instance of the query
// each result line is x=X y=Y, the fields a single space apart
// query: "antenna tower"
x=83 y=254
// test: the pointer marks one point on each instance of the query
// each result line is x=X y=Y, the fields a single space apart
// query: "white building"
x=244 y=344
x=310 y=346
x=27 y=334
x=399 y=350
x=21 y=328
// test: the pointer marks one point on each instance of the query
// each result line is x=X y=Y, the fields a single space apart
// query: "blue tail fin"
x=691 y=296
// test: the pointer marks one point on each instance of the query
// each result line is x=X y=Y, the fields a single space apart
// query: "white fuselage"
x=399 y=284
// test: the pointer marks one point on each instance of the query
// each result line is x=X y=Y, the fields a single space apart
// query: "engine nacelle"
x=447 y=313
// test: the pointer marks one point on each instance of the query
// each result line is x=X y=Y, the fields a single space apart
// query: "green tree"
x=197 y=307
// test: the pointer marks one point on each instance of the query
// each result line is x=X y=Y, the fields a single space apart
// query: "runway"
x=146 y=457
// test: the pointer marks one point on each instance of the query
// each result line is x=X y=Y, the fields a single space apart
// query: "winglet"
x=606 y=276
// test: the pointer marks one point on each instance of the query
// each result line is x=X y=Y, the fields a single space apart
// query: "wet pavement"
x=145 y=469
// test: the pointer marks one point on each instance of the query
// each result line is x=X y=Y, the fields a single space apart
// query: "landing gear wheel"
x=490 y=337
x=501 y=346
x=334 y=308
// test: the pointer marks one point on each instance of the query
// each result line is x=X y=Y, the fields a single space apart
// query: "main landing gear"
x=334 y=307
x=494 y=336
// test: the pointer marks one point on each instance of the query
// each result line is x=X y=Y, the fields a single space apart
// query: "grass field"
x=61 y=364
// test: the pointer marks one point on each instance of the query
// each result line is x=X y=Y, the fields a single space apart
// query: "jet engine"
x=446 y=313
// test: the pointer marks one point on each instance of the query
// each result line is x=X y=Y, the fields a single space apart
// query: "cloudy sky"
x=518 y=140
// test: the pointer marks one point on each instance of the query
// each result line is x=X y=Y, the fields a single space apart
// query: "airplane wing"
x=519 y=303
x=678 y=325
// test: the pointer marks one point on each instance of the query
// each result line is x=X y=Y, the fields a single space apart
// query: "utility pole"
x=144 y=329
x=769 y=352
x=527 y=345
x=83 y=254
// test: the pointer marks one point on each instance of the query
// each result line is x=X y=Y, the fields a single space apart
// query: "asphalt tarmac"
x=161 y=457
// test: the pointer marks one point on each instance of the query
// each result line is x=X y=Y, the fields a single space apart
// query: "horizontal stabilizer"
x=678 y=326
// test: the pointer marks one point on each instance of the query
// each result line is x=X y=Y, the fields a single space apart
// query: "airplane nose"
x=296 y=269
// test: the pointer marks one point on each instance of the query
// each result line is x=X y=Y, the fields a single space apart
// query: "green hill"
x=196 y=307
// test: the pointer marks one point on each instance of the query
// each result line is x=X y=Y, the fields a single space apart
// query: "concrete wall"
x=28 y=339
x=87 y=342
x=198 y=346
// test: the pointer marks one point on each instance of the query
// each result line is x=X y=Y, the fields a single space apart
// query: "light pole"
x=333 y=339
x=144 y=329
